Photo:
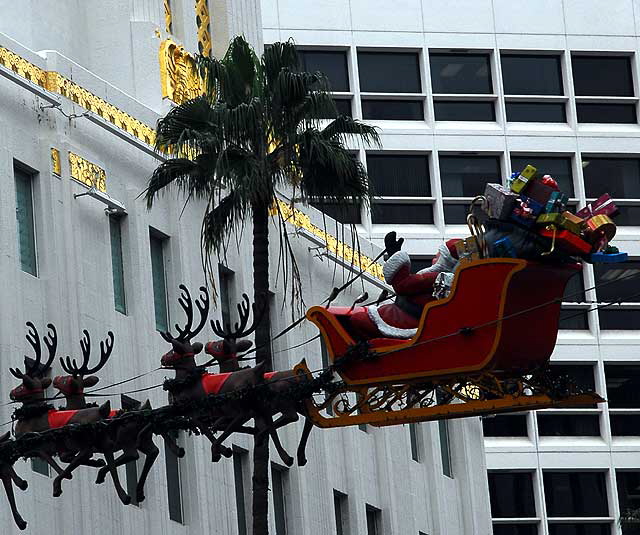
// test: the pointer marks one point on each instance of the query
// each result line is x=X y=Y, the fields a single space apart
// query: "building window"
x=401 y=184
x=174 y=482
x=333 y=64
x=278 y=485
x=414 y=442
x=131 y=468
x=349 y=214
x=607 y=97
x=513 y=508
x=25 y=221
x=40 y=466
x=240 y=461
x=462 y=178
x=574 y=313
x=454 y=75
x=117 y=264
x=505 y=425
x=628 y=483
x=374 y=520
x=575 y=425
x=620 y=178
x=445 y=447
x=572 y=495
x=533 y=88
x=157 y=245
x=623 y=396
x=559 y=167
x=391 y=86
x=225 y=276
x=625 y=313
x=341 y=510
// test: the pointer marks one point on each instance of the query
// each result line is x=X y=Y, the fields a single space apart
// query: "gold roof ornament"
x=178 y=77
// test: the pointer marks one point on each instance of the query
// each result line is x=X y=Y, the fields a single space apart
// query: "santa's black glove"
x=391 y=244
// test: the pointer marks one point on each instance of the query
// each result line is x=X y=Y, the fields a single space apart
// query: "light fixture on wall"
x=114 y=206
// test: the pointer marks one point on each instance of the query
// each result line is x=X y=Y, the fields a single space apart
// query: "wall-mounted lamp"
x=114 y=206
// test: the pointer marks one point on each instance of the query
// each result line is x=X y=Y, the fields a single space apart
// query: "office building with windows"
x=464 y=93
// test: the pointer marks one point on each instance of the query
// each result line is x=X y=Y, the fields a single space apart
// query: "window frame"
x=25 y=174
x=117 y=221
x=163 y=242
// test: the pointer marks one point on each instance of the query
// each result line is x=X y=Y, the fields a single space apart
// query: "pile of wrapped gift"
x=534 y=207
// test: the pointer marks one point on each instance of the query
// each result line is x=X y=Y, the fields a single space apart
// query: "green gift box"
x=560 y=221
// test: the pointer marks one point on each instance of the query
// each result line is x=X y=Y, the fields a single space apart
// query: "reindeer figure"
x=131 y=436
x=225 y=352
x=9 y=478
x=196 y=384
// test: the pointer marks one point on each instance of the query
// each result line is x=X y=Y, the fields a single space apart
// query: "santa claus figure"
x=413 y=290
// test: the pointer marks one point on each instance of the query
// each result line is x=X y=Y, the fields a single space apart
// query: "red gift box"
x=567 y=241
x=538 y=191
x=603 y=205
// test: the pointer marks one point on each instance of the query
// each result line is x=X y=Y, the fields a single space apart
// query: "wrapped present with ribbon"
x=526 y=211
x=518 y=183
x=537 y=190
x=599 y=231
x=565 y=241
x=565 y=220
x=468 y=249
x=442 y=285
x=503 y=248
x=557 y=203
x=500 y=201
x=603 y=205
x=607 y=258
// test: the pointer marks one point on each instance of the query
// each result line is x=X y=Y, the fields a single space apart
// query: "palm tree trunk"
x=260 y=505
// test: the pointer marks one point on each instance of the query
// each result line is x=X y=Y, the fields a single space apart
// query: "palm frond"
x=345 y=128
x=177 y=171
x=187 y=124
x=219 y=221
x=277 y=57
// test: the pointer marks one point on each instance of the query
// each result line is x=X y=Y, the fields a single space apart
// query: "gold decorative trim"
x=168 y=19
x=56 y=168
x=56 y=83
x=300 y=220
x=178 y=77
x=202 y=22
x=87 y=173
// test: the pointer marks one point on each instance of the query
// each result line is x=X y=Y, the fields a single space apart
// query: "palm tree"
x=261 y=126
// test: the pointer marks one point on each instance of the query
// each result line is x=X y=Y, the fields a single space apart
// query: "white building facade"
x=82 y=84
x=465 y=92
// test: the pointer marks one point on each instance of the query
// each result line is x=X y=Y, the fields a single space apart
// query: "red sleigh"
x=484 y=344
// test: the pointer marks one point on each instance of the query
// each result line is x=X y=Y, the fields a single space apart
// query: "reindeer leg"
x=8 y=488
x=124 y=497
x=284 y=419
x=265 y=422
x=130 y=453
x=231 y=427
x=220 y=423
x=17 y=480
x=172 y=445
x=151 y=452
x=79 y=459
x=302 y=446
x=51 y=462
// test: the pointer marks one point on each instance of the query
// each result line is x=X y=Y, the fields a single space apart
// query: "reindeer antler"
x=240 y=327
x=106 y=347
x=35 y=367
x=187 y=332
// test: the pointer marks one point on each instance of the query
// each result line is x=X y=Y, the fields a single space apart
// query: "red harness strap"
x=59 y=418
x=212 y=382
x=269 y=375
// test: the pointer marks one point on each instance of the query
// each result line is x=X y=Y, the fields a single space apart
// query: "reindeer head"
x=184 y=351
x=226 y=350
x=34 y=382
x=80 y=377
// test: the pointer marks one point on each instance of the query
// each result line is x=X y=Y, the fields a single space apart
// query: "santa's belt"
x=408 y=307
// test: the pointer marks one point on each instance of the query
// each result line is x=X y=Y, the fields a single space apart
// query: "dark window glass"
x=393 y=110
x=389 y=72
x=445 y=447
x=619 y=177
x=458 y=110
x=623 y=386
x=174 y=491
x=226 y=290
x=373 y=520
x=505 y=426
x=279 y=499
x=414 y=441
x=629 y=215
x=602 y=76
x=455 y=214
x=612 y=319
x=625 y=425
x=117 y=264
x=575 y=425
x=575 y=494
x=340 y=508
x=628 y=484
x=333 y=64
x=466 y=176
x=581 y=374
x=589 y=112
x=399 y=175
x=131 y=468
x=536 y=112
x=159 y=283
x=461 y=73
x=40 y=466
x=240 y=459
x=511 y=494
x=515 y=529
x=579 y=529
x=420 y=263
x=572 y=319
x=344 y=106
x=344 y=214
x=25 y=221
x=574 y=291
x=531 y=75
x=618 y=282
x=417 y=214
x=559 y=167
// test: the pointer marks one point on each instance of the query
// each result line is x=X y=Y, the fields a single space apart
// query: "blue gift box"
x=503 y=248
x=604 y=258
x=526 y=211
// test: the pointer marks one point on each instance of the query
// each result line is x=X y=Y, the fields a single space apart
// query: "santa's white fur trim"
x=445 y=262
x=393 y=264
x=387 y=330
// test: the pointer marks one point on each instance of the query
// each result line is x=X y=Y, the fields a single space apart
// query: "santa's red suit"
x=400 y=319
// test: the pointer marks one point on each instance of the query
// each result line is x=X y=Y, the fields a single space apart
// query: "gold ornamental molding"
x=56 y=83
x=203 y=21
x=301 y=220
x=87 y=173
x=56 y=168
x=178 y=77
x=168 y=19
